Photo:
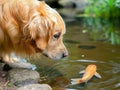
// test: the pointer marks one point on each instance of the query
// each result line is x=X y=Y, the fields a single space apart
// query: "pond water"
x=82 y=52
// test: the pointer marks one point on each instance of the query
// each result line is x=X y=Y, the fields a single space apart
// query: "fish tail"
x=76 y=81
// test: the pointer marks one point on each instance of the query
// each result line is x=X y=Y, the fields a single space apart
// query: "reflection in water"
x=82 y=52
x=102 y=29
x=71 y=41
x=86 y=47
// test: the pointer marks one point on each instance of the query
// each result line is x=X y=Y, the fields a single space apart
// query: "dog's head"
x=47 y=28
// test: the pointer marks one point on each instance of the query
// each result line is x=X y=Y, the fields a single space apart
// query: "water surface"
x=82 y=52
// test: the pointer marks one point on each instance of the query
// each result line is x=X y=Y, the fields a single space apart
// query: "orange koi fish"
x=89 y=72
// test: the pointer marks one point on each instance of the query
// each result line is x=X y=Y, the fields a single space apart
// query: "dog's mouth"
x=45 y=54
x=35 y=46
x=38 y=50
x=53 y=57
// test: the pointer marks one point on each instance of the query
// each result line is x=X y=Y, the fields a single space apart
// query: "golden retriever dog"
x=28 y=27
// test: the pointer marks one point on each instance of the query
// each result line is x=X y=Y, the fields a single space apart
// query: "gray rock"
x=73 y=3
x=67 y=3
x=1 y=66
x=21 y=77
x=35 y=87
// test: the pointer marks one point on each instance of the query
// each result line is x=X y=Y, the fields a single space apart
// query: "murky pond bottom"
x=82 y=52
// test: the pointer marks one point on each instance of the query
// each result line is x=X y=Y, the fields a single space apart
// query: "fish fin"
x=75 y=81
x=97 y=75
x=81 y=72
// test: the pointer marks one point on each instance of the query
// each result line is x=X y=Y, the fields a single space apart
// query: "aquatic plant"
x=103 y=18
x=117 y=3
x=103 y=30
x=103 y=8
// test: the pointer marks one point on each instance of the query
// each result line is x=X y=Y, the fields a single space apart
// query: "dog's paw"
x=18 y=62
x=22 y=65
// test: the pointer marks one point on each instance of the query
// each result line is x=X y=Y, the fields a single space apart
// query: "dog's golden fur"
x=30 y=26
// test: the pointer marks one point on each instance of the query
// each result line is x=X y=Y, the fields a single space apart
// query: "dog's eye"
x=57 y=35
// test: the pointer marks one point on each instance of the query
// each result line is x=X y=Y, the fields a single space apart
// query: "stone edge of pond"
x=21 y=79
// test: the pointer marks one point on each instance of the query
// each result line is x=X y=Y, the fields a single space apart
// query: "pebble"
x=35 y=87
x=21 y=77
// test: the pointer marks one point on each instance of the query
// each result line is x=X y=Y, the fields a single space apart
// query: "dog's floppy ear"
x=30 y=30
x=33 y=28
x=38 y=27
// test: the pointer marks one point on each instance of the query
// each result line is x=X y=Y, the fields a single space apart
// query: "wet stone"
x=6 y=67
x=21 y=77
x=35 y=87
x=1 y=66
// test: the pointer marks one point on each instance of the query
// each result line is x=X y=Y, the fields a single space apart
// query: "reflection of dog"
x=30 y=26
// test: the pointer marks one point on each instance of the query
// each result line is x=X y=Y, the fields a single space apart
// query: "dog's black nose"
x=65 y=54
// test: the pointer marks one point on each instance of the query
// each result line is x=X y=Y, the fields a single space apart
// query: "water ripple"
x=89 y=61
